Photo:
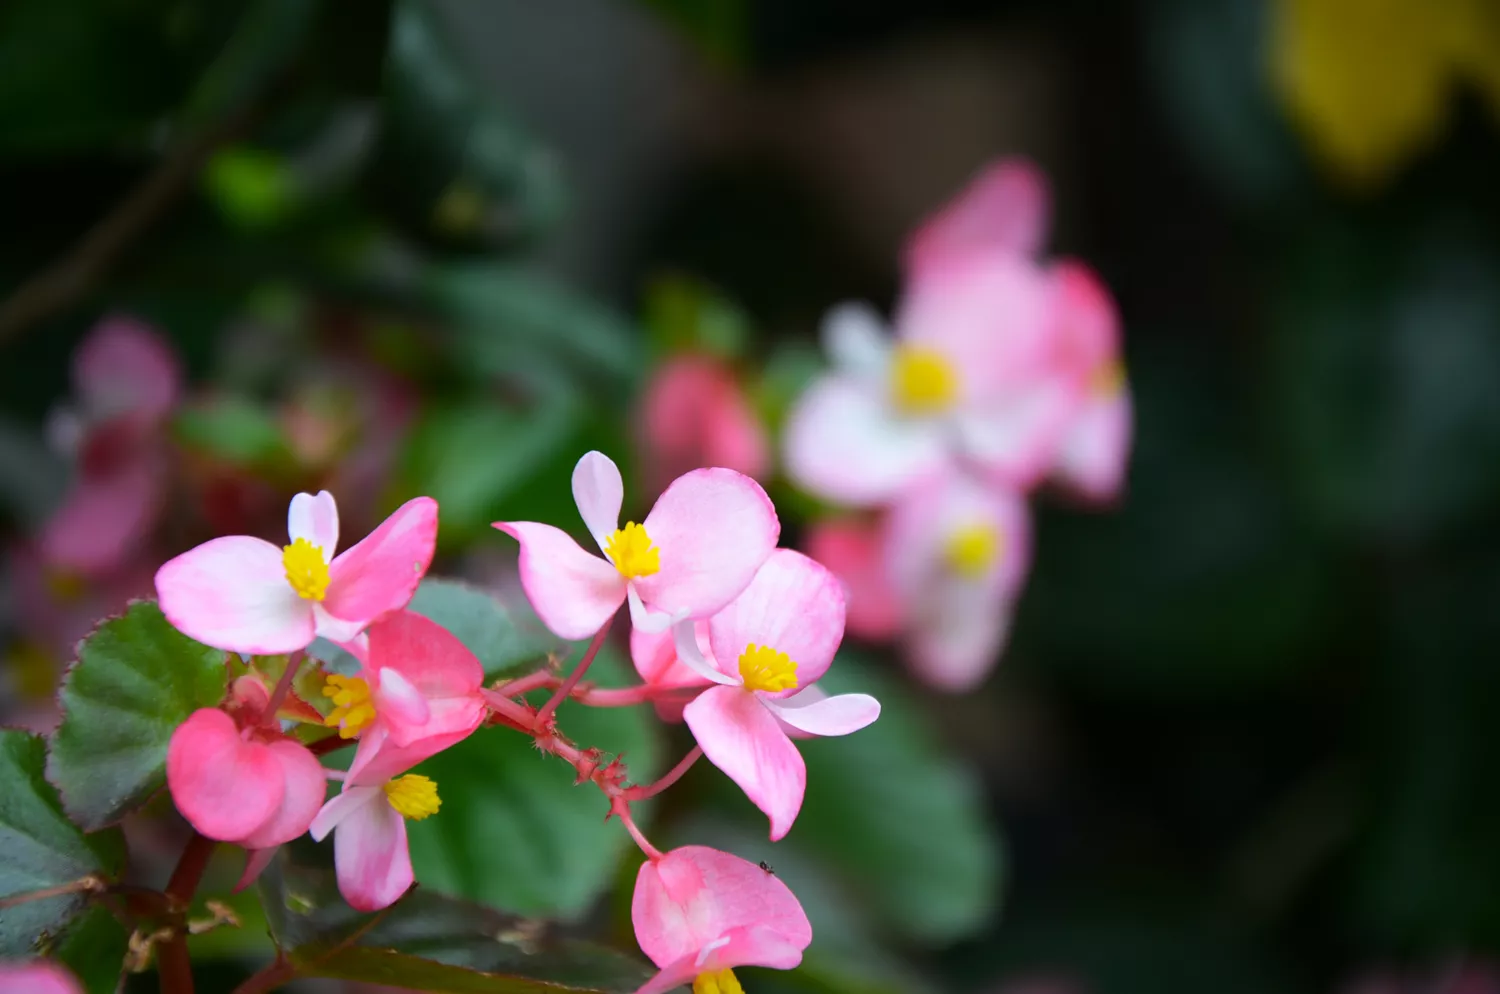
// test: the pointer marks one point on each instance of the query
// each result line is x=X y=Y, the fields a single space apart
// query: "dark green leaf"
x=41 y=849
x=504 y=637
x=430 y=942
x=515 y=831
x=94 y=948
x=136 y=679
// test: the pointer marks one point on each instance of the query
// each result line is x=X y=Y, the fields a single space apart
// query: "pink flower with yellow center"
x=371 y=856
x=699 y=913
x=766 y=650
x=697 y=548
x=244 y=594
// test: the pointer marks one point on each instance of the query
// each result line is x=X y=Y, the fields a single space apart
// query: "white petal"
x=598 y=491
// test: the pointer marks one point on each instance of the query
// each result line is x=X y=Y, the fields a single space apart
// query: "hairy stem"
x=671 y=777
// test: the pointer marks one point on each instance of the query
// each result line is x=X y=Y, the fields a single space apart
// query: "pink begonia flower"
x=702 y=542
x=695 y=415
x=126 y=380
x=37 y=977
x=253 y=787
x=243 y=594
x=768 y=647
x=854 y=552
x=699 y=913
x=368 y=819
x=956 y=553
x=655 y=657
x=417 y=693
x=1095 y=448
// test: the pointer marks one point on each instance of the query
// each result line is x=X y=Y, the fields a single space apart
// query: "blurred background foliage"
x=1241 y=741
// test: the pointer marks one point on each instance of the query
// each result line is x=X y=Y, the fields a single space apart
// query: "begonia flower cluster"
x=730 y=634
x=1000 y=372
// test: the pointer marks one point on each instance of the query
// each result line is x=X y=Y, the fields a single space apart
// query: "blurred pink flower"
x=768 y=647
x=696 y=550
x=1095 y=448
x=695 y=415
x=699 y=913
x=243 y=594
x=37 y=977
x=853 y=551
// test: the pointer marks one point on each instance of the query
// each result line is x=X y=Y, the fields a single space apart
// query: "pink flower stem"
x=672 y=776
x=622 y=697
x=622 y=808
x=531 y=681
x=283 y=687
x=513 y=712
x=561 y=693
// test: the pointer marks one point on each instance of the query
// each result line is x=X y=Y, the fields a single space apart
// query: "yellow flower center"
x=972 y=549
x=631 y=551
x=306 y=570
x=764 y=668
x=353 y=709
x=413 y=796
x=922 y=381
x=1108 y=380
x=722 y=982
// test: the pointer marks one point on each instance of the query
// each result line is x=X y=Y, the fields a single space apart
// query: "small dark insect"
x=767 y=867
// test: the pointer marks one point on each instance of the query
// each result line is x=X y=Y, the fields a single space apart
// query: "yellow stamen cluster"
x=631 y=551
x=353 y=709
x=972 y=549
x=922 y=381
x=413 y=796
x=721 y=982
x=764 y=668
x=306 y=569
x=1108 y=380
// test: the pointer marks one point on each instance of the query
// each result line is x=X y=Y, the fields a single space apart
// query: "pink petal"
x=794 y=605
x=754 y=945
x=337 y=630
x=104 y=518
x=690 y=654
x=838 y=715
x=573 y=592
x=1088 y=319
x=426 y=654
x=714 y=528
x=1095 y=452
x=315 y=519
x=37 y=977
x=379 y=756
x=1005 y=207
x=953 y=646
x=382 y=572
x=232 y=593
x=225 y=787
x=858 y=343
x=256 y=861
x=655 y=657
x=693 y=896
x=341 y=805
x=402 y=706
x=1015 y=437
x=679 y=973
x=742 y=738
x=845 y=444
x=644 y=619
x=123 y=366
x=920 y=526
x=305 y=788
x=598 y=491
x=371 y=856
x=853 y=552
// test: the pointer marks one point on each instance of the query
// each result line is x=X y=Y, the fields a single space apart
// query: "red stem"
x=283 y=686
x=173 y=966
x=562 y=692
x=671 y=777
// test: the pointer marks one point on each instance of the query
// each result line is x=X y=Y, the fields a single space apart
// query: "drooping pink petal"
x=256 y=861
x=693 y=896
x=232 y=593
x=104 y=518
x=681 y=972
x=1095 y=452
x=382 y=571
x=858 y=343
x=305 y=787
x=225 y=787
x=749 y=945
x=341 y=805
x=371 y=856
x=315 y=519
x=844 y=443
x=573 y=592
x=1005 y=207
x=714 y=528
x=953 y=644
x=426 y=654
x=794 y=605
x=853 y=552
x=123 y=366
x=598 y=491
x=37 y=977
x=742 y=738
x=838 y=715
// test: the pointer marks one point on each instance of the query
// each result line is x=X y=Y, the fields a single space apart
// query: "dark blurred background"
x=1242 y=740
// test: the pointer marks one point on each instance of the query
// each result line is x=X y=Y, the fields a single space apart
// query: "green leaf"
x=40 y=849
x=94 y=948
x=903 y=823
x=505 y=638
x=515 y=831
x=430 y=942
x=136 y=679
x=235 y=431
